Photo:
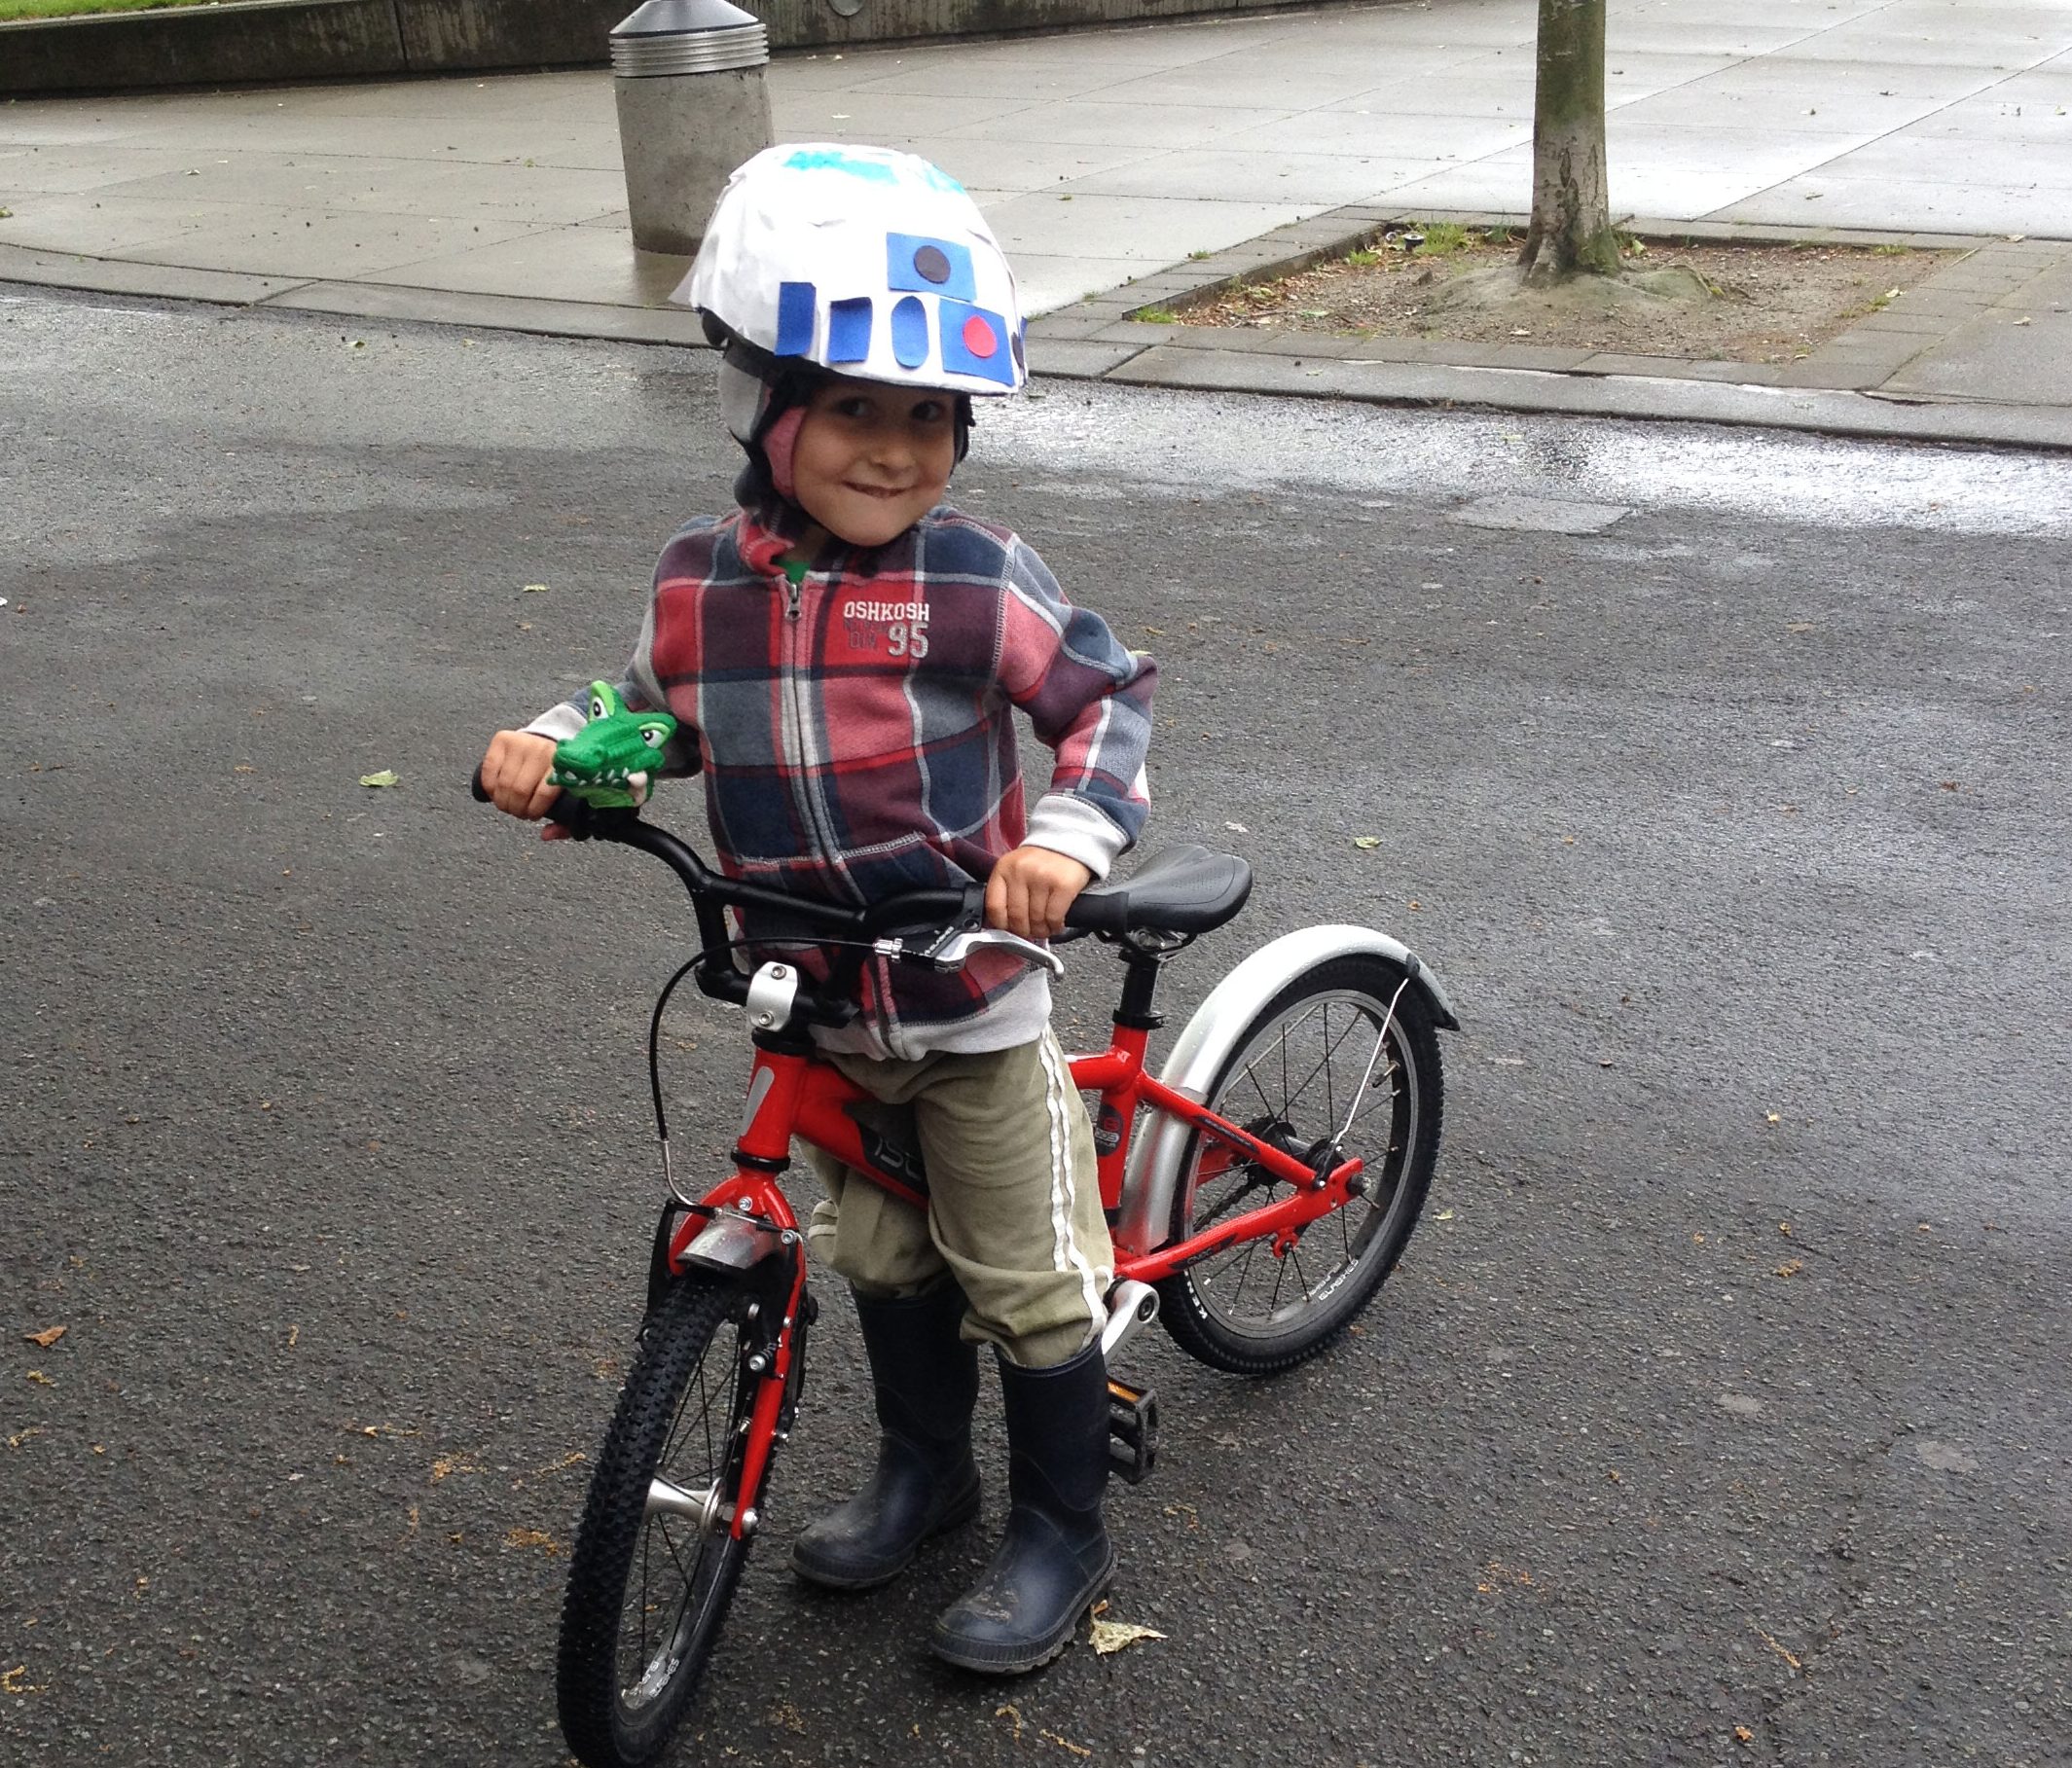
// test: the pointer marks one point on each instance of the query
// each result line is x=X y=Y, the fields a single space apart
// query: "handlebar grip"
x=569 y=811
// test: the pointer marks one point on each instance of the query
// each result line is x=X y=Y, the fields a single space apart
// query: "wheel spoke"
x=1339 y=1058
x=1294 y=1259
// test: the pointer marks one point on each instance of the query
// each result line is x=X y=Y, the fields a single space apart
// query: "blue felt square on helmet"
x=915 y=263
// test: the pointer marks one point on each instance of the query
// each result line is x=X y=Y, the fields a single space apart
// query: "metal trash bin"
x=692 y=107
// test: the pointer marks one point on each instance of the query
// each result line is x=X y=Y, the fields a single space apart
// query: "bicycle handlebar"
x=712 y=892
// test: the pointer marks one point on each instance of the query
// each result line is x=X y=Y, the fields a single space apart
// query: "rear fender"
x=1152 y=1174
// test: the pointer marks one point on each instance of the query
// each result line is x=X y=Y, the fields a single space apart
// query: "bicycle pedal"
x=1131 y=1431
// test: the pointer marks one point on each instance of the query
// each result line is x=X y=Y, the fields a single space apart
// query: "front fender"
x=1152 y=1174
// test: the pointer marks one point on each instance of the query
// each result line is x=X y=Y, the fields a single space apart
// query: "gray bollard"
x=689 y=77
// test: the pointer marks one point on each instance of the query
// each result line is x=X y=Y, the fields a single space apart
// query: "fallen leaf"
x=40 y=1379
x=2024 y=320
x=532 y=1537
x=45 y=1339
x=387 y=776
x=1444 y=1215
x=1778 y=1649
x=1113 y=1635
x=1772 y=1117
x=1791 y=1267
x=1237 y=829
x=1743 y=1735
x=1367 y=840
x=533 y=589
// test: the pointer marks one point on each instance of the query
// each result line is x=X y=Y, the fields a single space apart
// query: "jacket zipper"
x=795 y=722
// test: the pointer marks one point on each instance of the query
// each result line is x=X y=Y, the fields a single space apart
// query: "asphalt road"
x=1718 y=1414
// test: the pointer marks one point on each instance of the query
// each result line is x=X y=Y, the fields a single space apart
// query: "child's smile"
x=872 y=460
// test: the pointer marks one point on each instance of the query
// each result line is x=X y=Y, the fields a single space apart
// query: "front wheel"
x=1323 y=1059
x=656 y=1560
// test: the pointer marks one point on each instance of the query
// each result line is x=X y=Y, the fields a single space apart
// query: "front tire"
x=655 y=1564
x=1294 y=1078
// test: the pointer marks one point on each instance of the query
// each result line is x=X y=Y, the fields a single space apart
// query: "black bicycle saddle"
x=1183 y=890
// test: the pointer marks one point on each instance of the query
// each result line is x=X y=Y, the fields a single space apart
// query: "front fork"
x=745 y=1228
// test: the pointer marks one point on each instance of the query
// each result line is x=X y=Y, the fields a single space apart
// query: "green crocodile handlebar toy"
x=611 y=762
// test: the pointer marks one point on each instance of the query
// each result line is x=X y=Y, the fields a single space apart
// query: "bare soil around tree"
x=1737 y=302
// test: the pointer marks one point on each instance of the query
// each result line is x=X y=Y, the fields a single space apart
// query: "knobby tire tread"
x=677 y=1332
x=1182 y=1311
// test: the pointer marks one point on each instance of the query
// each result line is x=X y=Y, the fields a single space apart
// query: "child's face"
x=872 y=460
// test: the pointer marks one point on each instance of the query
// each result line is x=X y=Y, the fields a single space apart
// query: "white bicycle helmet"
x=860 y=261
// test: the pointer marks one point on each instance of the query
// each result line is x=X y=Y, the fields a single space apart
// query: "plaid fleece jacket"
x=855 y=736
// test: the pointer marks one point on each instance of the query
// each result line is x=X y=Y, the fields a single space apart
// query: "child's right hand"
x=514 y=773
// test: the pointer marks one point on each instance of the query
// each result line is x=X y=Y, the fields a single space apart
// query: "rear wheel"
x=655 y=1560
x=1314 y=1063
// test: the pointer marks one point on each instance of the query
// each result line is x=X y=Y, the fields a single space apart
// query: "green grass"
x=1444 y=237
x=1156 y=316
x=67 y=9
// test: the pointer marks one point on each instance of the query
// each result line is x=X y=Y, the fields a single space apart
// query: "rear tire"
x=649 y=1587
x=1290 y=1079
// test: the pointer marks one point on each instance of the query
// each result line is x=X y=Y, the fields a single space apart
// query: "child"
x=842 y=653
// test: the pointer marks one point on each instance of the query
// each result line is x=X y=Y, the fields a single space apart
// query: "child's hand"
x=514 y=773
x=1030 y=890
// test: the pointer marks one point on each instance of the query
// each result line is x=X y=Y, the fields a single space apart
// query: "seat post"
x=1140 y=985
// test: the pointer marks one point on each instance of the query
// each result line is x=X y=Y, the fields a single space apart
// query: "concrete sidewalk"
x=1124 y=168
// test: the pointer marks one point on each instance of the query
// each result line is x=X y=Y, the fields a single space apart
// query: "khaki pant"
x=1014 y=1204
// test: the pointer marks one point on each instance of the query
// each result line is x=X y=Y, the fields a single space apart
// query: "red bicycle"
x=1290 y=1143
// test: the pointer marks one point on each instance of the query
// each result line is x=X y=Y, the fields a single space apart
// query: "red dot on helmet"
x=979 y=336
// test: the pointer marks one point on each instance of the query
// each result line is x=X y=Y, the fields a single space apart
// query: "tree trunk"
x=1572 y=209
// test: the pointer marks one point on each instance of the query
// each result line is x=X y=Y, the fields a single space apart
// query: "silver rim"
x=685 y=1533
x=1297 y=1083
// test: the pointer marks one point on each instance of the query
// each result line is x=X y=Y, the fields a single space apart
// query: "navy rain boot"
x=926 y=1379
x=1055 y=1556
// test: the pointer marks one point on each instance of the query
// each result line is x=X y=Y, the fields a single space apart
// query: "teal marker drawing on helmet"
x=609 y=762
x=834 y=159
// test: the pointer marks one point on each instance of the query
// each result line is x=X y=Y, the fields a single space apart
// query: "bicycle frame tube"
x=792 y=1094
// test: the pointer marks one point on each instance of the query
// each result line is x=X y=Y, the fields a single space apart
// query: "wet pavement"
x=1718 y=1412
x=1120 y=168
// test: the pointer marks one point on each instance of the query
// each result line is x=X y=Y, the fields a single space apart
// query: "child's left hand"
x=1030 y=890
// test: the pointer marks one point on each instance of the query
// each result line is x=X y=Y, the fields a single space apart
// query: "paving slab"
x=2017 y=352
x=491 y=313
x=26 y=265
x=1133 y=168
x=564 y=265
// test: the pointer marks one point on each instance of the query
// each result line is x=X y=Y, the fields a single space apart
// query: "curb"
x=1836 y=390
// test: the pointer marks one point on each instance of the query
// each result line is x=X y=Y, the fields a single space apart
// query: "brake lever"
x=954 y=948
